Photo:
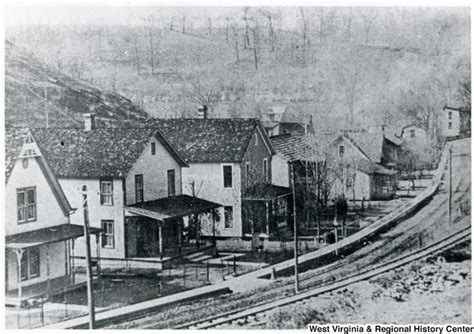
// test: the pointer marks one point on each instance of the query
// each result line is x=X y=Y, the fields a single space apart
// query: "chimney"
x=202 y=112
x=89 y=122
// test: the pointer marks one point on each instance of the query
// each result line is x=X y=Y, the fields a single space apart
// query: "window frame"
x=139 y=190
x=224 y=177
x=103 y=194
x=106 y=234
x=153 y=148
x=247 y=173
x=26 y=205
x=256 y=139
x=27 y=262
x=227 y=210
x=265 y=169
x=168 y=173
x=340 y=152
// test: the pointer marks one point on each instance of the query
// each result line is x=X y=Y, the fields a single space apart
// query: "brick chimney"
x=202 y=112
x=89 y=122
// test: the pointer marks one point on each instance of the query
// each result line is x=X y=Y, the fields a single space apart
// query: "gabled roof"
x=15 y=139
x=103 y=152
x=371 y=144
x=369 y=167
x=212 y=139
x=293 y=148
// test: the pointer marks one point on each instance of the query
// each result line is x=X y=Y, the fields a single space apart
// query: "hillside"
x=38 y=95
x=389 y=75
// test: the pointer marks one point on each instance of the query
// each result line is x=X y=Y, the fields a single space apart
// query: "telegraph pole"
x=295 y=227
x=90 y=295
x=450 y=191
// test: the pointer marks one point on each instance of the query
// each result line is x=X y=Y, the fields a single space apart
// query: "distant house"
x=230 y=162
x=455 y=122
x=133 y=180
x=295 y=159
x=39 y=231
x=363 y=165
x=413 y=132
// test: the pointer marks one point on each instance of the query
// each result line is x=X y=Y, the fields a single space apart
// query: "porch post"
x=97 y=253
x=267 y=214
x=73 y=265
x=160 y=237
x=47 y=267
x=180 y=231
x=19 y=256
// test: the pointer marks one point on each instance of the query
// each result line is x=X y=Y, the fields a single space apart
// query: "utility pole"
x=90 y=296
x=450 y=195
x=295 y=227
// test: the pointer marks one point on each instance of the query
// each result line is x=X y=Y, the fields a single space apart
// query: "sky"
x=107 y=12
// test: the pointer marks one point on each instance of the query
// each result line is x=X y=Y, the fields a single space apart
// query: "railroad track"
x=243 y=313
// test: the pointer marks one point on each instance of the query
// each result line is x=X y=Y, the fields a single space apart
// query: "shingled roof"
x=210 y=140
x=103 y=152
x=293 y=148
x=371 y=143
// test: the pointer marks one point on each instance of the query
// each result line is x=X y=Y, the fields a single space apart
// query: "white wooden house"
x=39 y=230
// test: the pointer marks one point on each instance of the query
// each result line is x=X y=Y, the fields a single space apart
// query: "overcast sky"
x=113 y=15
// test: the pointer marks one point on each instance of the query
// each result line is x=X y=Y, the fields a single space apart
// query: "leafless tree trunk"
x=246 y=37
x=236 y=40
x=152 y=49
x=227 y=30
x=255 y=46
x=184 y=23
x=209 y=20
x=368 y=22
x=137 y=52
x=305 y=25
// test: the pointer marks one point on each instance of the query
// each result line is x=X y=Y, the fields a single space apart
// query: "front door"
x=147 y=238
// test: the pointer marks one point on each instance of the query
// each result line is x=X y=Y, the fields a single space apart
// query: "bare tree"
x=247 y=35
x=236 y=41
x=369 y=17
x=136 y=49
x=206 y=93
x=150 y=27
x=305 y=25
x=255 y=44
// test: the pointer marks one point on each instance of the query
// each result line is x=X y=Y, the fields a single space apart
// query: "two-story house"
x=229 y=162
x=40 y=234
x=133 y=181
x=362 y=165
x=455 y=122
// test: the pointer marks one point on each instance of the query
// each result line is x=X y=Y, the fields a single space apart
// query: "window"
x=265 y=169
x=106 y=192
x=228 y=217
x=139 y=188
x=26 y=204
x=227 y=171
x=349 y=183
x=256 y=139
x=108 y=234
x=341 y=151
x=412 y=133
x=30 y=264
x=450 y=115
x=247 y=173
x=153 y=148
x=450 y=125
x=171 y=183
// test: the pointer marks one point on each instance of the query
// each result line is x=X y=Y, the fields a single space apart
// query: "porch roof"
x=46 y=236
x=265 y=192
x=172 y=207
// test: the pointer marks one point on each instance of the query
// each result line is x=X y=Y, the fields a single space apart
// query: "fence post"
x=222 y=269
x=235 y=271
x=207 y=271
x=197 y=273
x=42 y=310
x=184 y=274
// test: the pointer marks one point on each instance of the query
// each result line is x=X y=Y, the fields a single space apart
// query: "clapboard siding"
x=154 y=169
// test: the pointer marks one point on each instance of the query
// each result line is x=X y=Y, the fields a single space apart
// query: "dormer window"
x=341 y=151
